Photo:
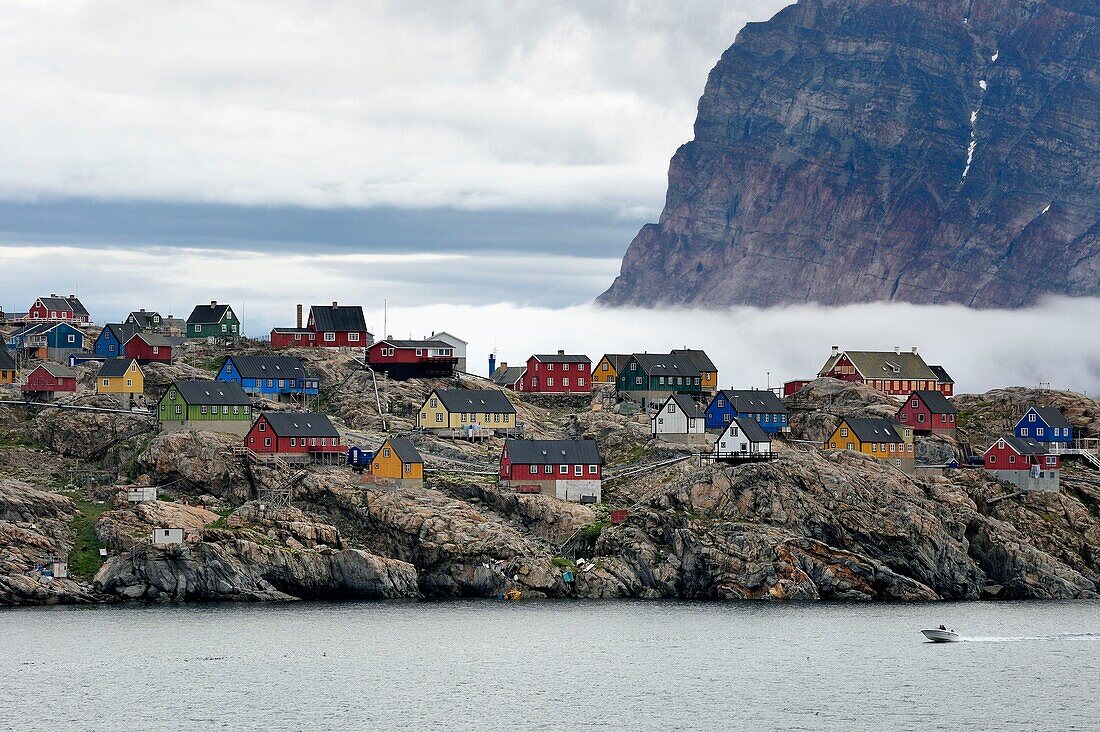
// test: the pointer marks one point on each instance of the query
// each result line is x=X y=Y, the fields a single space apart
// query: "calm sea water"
x=550 y=665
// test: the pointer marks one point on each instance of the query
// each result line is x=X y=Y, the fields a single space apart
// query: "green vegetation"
x=84 y=560
x=220 y=523
x=563 y=563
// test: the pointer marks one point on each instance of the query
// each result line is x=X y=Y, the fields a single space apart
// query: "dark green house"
x=214 y=406
x=651 y=377
x=213 y=321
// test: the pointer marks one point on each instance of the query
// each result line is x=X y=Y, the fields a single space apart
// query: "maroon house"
x=150 y=347
x=329 y=326
x=55 y=308
x=571 y=470
x=1023 y=462
x=404 y=360
x=557 y=373
x=50 y=378
x=295 y=435
x=927 y=410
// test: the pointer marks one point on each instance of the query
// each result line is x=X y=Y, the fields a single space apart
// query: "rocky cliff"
x=924 y=151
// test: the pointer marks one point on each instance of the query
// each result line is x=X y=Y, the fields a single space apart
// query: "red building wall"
x=903 y=387
x=254 y=441
x=521 y=471
x=1000 y=458
x=41 y=312
x=42 y=380
x=143 y=352
x=538 y=373
x=910 y=416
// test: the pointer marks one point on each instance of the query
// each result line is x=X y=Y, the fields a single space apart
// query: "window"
x=313 y=442
x=874 y=447
x=1038 y=431
x=263 y=426
x=496 y=417
x=727 y=417
x=671 y=408
x=580 y=381
x=353 y=337
x=386 y=452
x=247 y=410
x=463 y=417
x=563 y=469
x=844 y=432
x=634 y=366
x=1023 y=432
x=179 y=409
x=156 y=350
x=638 y=380
x=297 y=336
x=330 y=337
x=198 y=328
x=294 y=442
x=1051 y=460
x=920 y=418
x=578 y=470
x=550 y=382
x=419 y=351
x=548 y=469
x=439 y=416
x=408 y=467
x=549 y=367
x=1012 y=458
x=565 y=381
x=111 y=348
x=129 y=382
x=915 y=404
x=267 y=442
x=106 y=382
x=225 y=409
x=72 y=339
x=236 y=409
x=565 y=367
x=433 y=402
x=591 y=469
x=202 y=409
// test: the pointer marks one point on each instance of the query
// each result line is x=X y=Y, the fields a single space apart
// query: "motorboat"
x=940 y=635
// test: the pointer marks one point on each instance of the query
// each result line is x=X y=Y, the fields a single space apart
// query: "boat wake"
x=1022 y=638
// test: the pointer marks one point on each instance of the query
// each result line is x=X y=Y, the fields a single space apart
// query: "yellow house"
x=397 y=459
x=9 y=372
x=607 y=370
x=120 y=376
x=449 y=409
x=880 y=438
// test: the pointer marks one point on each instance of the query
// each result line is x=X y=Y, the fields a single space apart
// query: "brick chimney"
x=299 y=316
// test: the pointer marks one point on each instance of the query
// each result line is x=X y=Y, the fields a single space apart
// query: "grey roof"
x=115 y=367
x=338 y=318
x=300 y=424
x=122 y=331
x=873 y=429
x=507 y=375
x=882 y=365
x=143 y=318
x=1052 y=416
x=58 y=371
x=936 y=401
x=754 y=401
x=291 y=330
x=698 y=357
x=687 y=405
x=561 y=358
x=942 y=375
x=417 y=344
x=752 y=430
x=212 y=392
x=7 y=363
x=406 y=452
x=475 y=400
x=1024 y=445
x=266 y=367
x=553 y=452
x=204 y=314
x=72 y=304
x=156 y=339
x=617 y=360
x=666 y=364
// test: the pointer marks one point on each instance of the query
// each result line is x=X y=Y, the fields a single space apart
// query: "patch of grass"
x=563 y=563
x=84 y=560
x=220 y=523
x=592 y=532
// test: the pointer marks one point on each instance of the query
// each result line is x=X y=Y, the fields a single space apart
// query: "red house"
x=571 y=470
x=557 y=373
x=926 y=410
x=1023 y=462
x=54 y=308
x=329 y=326
x=50 y=378
x=404 y=360
x=149 y=347
x=295 y=436
x=897 y=373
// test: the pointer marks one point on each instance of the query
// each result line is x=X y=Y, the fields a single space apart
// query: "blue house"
x=764 y=407
x=47 y=341
x=270 y=377
x=112 y=339
x=1045 y=424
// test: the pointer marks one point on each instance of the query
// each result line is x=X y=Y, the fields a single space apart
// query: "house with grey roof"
x=468 y=412
x=680 y=419
x=744 y=440
x=201 y=404
x=897 y=373
x=570 y=470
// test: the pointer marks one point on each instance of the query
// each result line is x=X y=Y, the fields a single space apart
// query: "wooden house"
x=507 y=376
x=708 y=372
x=607 y=370
x=295 y=436
x=150 y=348
x=145 y=320
x=1045 y=425
x=557 y=373
x=58 y=309
x=328 y=326
x=794 y=386
x=761 y=405
x=927 y=410
x=1024 y=462
x=47 y=341
x=48 y=379
x=399 y=461
x=446 y=410
x=743 y=440
x=122 y=378
x=571 y=470
x=403 y=360
x=896 y=373
x=9 y=371
x=276 y=378
x=679 y=419
x=883 y=439
x=651 y=377
x=111 y=342
x=213 y=406
x=213 y=321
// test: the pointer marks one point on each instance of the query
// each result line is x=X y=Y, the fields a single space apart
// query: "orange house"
x=398 y=459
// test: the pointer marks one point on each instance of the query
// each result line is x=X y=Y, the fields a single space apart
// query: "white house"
x=456 y=343
x=167 y=536
x=743 y=440
x=680 y=419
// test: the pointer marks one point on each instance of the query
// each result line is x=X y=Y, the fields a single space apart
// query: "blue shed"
x=764 y=407
x=360 y=458
x=1045 y=424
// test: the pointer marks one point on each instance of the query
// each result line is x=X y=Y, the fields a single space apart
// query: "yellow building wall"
x=117 y=384
x=902 y=451
x=709 y=379
x=9 y=377
x=390 y=466
x=605 y=373
x=426 y=418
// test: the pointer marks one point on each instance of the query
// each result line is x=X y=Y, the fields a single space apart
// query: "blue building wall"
x=720 y=413
x=107 y=345
x=309 y=385
x=1032 y=425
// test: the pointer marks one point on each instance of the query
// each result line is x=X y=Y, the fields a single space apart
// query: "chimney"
x=914 y=349
x=836 y=350
x=492 y=363
x=213 y=303
x=333 y=303
x=561 y=351
x=142 y=310
x=53 y=294
x=897 y=350
x=299 y=314
x=72 y=297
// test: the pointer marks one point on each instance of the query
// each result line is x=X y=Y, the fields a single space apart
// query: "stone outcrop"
x=926 y=151
x=202 y=461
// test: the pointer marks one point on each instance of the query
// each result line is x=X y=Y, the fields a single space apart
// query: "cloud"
x=475 y=105
x=463 y=295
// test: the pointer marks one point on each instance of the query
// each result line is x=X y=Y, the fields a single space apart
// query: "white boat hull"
x=940 y=636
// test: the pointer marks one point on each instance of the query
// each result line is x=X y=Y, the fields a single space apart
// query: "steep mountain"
x=923 y=151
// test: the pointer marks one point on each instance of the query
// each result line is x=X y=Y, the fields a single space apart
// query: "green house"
x=213 y=321
x=214 y=406
x=651 y=377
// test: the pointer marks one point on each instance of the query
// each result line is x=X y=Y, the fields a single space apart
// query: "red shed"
x=305 y=435
x=50 y=378
x=927 y=410
x=403 y=360
x=147 y=347
x=557 y=373
x=1019 y=453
